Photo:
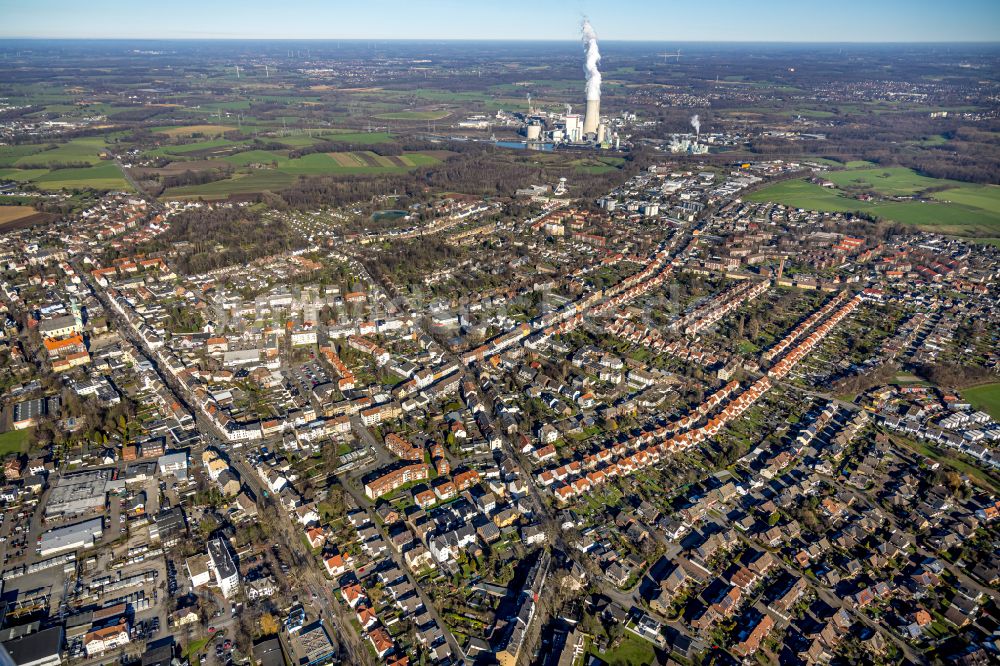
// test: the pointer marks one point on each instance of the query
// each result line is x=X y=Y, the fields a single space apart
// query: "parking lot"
x=301 y=379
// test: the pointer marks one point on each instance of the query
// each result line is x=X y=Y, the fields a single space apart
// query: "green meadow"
x=963 y=209
x=284 y=170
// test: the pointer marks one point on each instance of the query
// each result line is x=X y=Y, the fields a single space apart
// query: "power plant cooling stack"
x=593 y=116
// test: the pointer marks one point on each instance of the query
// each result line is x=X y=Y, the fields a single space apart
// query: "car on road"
x=211 y=630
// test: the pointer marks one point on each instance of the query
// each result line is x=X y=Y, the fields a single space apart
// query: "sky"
x=641 y=20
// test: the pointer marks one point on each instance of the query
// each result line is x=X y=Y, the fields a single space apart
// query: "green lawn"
x=986 y=398
x=965 y=209
x=598 y=165
x=12 y=441
x=196 y=646
x=887 y=180
x=632 y=651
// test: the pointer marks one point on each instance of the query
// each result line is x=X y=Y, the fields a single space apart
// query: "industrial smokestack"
x=696 y=124
x=592 y=118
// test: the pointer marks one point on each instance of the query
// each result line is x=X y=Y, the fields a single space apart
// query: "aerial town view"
x=530 y=334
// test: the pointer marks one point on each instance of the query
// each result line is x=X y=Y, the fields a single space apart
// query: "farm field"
x=964 y=209
x=320 y=163
x=100 y=177
x=10 y=214
x=286 y=170
x=199 y=149
x=267 y=180
x=30 y=163
x=85 y=149
x=986 y=398
x=193 y=147
x=191 y=130
x=414 y=115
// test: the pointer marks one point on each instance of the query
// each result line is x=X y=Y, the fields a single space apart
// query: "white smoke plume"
x=593 y=56
x=696 y=124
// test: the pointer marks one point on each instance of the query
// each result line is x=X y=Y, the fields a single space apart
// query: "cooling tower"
x=593 y=117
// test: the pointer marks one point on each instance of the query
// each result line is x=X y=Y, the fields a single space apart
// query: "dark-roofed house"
x=268 y=653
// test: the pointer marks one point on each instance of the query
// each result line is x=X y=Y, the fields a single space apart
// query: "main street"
x=210 y=432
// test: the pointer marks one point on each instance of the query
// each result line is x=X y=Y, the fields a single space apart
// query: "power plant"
x=543 y=129
x=571 y=128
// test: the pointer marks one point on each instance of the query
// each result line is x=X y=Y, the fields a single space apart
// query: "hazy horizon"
x=678 y=21
x=362 y=40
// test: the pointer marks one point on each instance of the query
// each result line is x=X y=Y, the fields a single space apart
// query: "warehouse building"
x=71 y=537
x=78 y=494
x=40 y=648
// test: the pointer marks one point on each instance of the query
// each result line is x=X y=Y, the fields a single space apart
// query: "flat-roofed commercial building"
x=71 y=537
x=78 y=494
x=37 y=649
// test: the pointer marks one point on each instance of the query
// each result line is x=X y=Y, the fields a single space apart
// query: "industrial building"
x=71 y=537
x=572 y=128
x=40 y=648
x=168 y=527
x=29 y=413
x=77 y=494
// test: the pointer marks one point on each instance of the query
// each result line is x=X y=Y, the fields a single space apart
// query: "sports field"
x=962 y=209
